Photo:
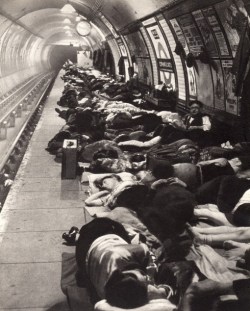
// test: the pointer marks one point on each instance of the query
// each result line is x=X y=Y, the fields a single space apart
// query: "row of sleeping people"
x=174 y=233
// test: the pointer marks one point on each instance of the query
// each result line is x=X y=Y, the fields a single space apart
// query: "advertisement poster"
x=109 y=25
x=206 y=33
x=164 y=61
x=218 y=79
x=191 y=33
x=230 y=98
x=136 y=44
x=122 y=47
x=144 y=71
x=233 y=20
x=212 y=19
x=190 y=71
x=176 y=58
x=205 y=85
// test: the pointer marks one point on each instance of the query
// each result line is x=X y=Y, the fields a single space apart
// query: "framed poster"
x=230 y=98
x=206 y=33
x=191 y=33
x=190 y=70
x=205 y=89
x=136 y=44
x=122 y=47
x=212 y=19
x=144 y=71
x=219 y=87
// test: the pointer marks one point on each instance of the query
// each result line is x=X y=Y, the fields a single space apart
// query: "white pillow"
x=153 y=305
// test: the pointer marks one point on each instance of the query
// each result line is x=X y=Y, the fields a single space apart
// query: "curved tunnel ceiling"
x=31 y=31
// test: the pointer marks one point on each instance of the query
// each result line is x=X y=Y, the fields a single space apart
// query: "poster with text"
x=191 y=33
x=206 y=33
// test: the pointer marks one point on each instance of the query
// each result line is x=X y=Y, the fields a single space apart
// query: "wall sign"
x=165 y=65
x=206 y=33
x=230 y=98
x=212 y=19
x=122 y=47
x=190 y=71
x=191 y=33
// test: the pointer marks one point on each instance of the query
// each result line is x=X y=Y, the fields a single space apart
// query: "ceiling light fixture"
x=68 y=8
x=66 y=21
x=78 y=18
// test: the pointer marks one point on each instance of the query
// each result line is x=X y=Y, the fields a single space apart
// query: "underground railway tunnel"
x=165 y=84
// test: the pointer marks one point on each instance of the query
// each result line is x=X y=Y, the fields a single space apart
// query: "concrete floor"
x=39 y=208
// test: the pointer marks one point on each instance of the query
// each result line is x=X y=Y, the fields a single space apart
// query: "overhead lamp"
x=78 y=18
x=68 y=8
x=83 y=28
x=66 y=21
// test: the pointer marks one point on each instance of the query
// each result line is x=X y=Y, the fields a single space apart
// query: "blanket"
x=216 y=267
x=78 y=298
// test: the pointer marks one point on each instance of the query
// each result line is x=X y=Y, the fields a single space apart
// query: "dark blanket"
x=78 y=298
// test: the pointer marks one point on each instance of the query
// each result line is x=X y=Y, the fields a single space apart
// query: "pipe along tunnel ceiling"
x=193 y=46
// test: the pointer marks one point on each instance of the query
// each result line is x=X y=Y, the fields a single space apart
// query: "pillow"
x=153 y=305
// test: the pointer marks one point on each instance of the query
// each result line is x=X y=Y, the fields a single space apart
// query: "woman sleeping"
x=116 y=192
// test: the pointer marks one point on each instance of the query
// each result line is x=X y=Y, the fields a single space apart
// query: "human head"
x=163 y=170
x=195 y=107
x=131 y=289
x=168 y=211
x=126 y=290
x=108 y=182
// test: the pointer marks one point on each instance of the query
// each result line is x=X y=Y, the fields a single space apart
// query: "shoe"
x=70 y=237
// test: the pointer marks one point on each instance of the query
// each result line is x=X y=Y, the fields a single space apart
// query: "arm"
x=218 y=162
x=203 y=289
x=218 y=218
x=141 y=144
x=97 y=199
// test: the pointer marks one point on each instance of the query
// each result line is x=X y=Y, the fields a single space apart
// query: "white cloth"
x=244 y=199
x=205 y=123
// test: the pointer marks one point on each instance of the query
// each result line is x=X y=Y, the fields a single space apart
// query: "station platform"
x=39 y=208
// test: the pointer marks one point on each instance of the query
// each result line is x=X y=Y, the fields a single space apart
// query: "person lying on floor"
x=194 y=175
x=113 y=269
x=116 y=192
x=195 y=126
x=166 y=212
x=231 y=195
